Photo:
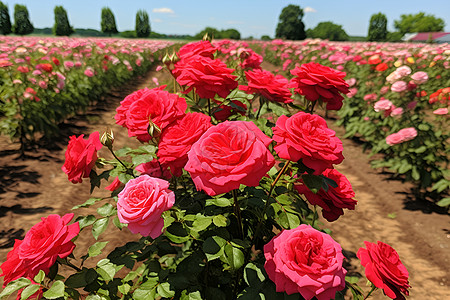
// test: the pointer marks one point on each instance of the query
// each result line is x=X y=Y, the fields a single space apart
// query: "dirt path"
x=36 y=187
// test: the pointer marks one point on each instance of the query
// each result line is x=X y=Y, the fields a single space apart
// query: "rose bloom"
x=42 y=245
x=141 y=203
x=307 y=137
x=45 y=67
x=441 y=111
x=351 y=82
x=271 y=87
x=177 y=139
x=306 y=261
x=154 y=168
x=316 y=81
x=403 y=71
x=407 y=134
x=384 y=269
x=251 y=59
x=228 y=155
x=382 y=105
x=381 y=67
x=398 y=111
x=399 y=86
x=89 y=72
x=209 y=77
x=223 y=112
x=156 y=105
x=334 y=200
x=352 y=92
x=114 y=185
x=81 y=156
x=394 y=139
x=202 y=48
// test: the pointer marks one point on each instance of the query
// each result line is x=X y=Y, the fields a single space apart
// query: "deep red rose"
x=81 y=156
x=271 y=87
x=250 y=59
x=45 y=67
x=156 y=105
x=177 y=139
x=307 y=137
x=154 y=168
x=209 y=77
x=384 y=269
x=316 y=81
x=228 y=155
x=55 y=61
x=306 y=261
x=202 y=48
x=334 y=200
x=381 y=67
x=42 y=245
x=223 y=112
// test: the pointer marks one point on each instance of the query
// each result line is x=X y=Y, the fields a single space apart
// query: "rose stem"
x=129 y=171
x=237 y=212
x=314 y=216
x=371 y=291
x=261 y=102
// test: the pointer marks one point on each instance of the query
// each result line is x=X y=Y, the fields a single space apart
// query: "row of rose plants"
x=397 y=104
x=225 y=192
x=45 y=81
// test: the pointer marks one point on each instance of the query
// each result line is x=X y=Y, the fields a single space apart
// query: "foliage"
x=62 y=26
x=329 y=31
x=219 y=34
x=290 y=25
x=377 y=27
x=108 y=22
x=142 y=24
x=22 y=24
x=265 y=38
x=420 y=22
x=5 y=21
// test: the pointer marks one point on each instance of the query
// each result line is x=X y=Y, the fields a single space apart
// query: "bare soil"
x=35 y=186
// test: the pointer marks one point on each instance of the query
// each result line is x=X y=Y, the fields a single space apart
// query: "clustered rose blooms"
x=334 y=200
x=272 y=87
x=141 y=203
x=43 y=244
x=307 y=137
x=306 y=261
x=81 y=156
x=384 y=269
x=154 y=168
x=316 y=81
x=228 y=155
x=403 y=135
x=156 y=105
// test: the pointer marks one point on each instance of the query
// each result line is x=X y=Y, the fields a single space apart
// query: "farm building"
x=436 y=37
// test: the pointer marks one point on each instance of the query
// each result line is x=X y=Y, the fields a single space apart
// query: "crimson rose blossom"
x=81 y=156
x=208 y=76
x=384 y=269
x=157 y=105
x=271 y=87
x=154 y=168
x=202 y=48
x=316 y=81
x=334 y=200
x=177 y=139
x=42 y=245
x=306 y=261
x=228 y=155
x=223 y=112
x=141 y=204
x=307 y=137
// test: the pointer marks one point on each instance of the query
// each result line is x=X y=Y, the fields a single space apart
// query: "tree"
x=5 y=21
x=419 y=23
x=329 y=31
x=377 y=28
x=212 y=33
x=62 y=26
x=108 y=22
x=232 y=34
x=142 y=24
x=22 y=24
x=290 y=25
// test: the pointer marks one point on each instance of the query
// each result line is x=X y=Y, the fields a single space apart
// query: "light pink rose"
x=398 y=111
x=141 y=204
x=351 y=82
x=394 y=139
x=399 y=86
x=408 y=134
x=441 y=111
x=420 y=77
x=403 y=71
x=352 y=92
x=382 y=105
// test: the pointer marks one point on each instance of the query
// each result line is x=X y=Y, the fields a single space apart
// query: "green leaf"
x=312 y=182
x=213 y=247
x=77 y=280
x=106 y=210
x=88 y=202
x=288 y=220
x=234 y=256
x=55 y=291
x=201 y=222
x=106 y=269
x=124 y=288
x=421 y=149
x=85 y=221
x=29 y=290
x=177 y=233
x=146 y=290
x=14 y=286
x=424 y=127
x=96 y=249
x=117 y=223
x=352 y=279
x=191 y=296
x=444 y=202
x=39 y=277
x=164 y=290
x=220 y=221
x=99 y=227
x=221 y=202
x=415 y=173
x=253 y=275
x=140 y=159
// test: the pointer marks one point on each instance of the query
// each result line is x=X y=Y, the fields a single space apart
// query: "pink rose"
x=141 y=204
x=441 y=111
x=382 y=105
x=420 y=77
x=89 y=72
x=394 y=139
x=307 y=137
x=42 y=245
x=398 y=111
x=399 y=86
x=228 y=155
x=407 y=134
x=306 y=261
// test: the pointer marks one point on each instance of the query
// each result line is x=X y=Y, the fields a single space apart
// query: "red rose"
x=315 y=81
x=137 y=109
x=46 y=67
x=307 y=137
x=114 y=185
x=223 y=112
x=42 y=245
x=251 y=59
x=208 y=76
x=55 y=61
x=334 y=200
x=384 y=269
x=306 y=261
x=271 y=87
x=81 y=156
x=381 y=67
x=228 y=155
x=202 y=48
x=177 y=139
x=154 y=168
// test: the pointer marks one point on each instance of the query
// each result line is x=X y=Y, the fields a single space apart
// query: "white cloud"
x=163 y=10
x=157 y=21
x=309 y=9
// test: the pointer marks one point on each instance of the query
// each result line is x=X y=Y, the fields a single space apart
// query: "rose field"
x=219 y=169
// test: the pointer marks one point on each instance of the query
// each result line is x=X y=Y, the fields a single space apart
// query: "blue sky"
x=249 y=17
